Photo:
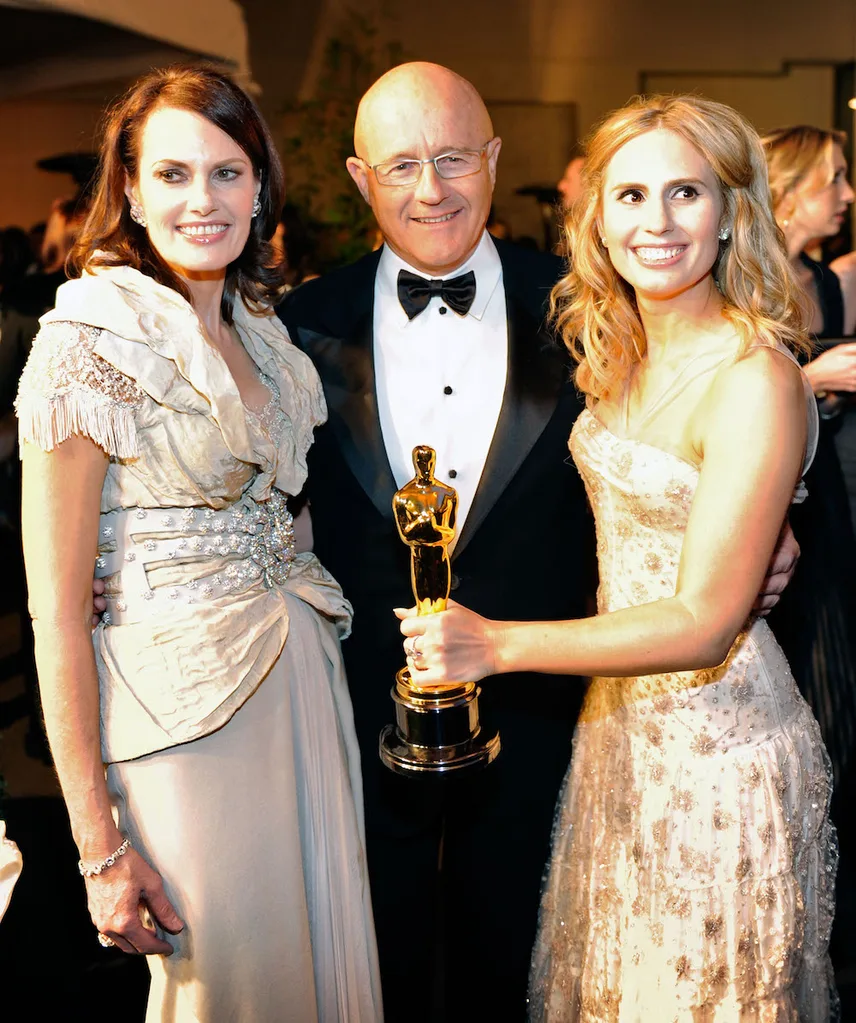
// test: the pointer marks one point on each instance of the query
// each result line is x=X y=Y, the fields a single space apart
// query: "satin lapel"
x=346 y=367
x=536 y=373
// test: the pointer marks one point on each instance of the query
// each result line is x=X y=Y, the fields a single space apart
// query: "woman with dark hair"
x=165 y=420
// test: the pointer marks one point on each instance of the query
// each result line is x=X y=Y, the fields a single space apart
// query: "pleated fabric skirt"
x=257 y=832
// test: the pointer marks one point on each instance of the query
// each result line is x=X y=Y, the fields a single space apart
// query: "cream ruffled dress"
x=226 y=720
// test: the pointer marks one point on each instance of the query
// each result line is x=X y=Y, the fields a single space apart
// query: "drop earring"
x=257 y=206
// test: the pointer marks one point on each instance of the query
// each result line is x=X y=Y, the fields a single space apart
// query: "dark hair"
x=111 y=238
x=298 y=244
x=15 y=254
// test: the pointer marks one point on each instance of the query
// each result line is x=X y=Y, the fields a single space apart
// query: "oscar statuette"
x=437 y=727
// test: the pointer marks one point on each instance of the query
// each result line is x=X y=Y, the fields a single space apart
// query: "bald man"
x=455 y=863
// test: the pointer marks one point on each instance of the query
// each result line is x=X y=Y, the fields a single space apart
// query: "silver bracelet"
x=95 y=869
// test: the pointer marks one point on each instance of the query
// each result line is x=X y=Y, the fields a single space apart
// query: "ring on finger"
x=416 y=654
x=104 y=941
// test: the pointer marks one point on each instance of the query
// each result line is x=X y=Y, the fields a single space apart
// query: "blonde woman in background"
x=814 y=620
x=693 y=858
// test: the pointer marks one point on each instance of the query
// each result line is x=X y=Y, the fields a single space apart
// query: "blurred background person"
x=814 y=621
x=295 y=247
x=844 y=268
x=570 y=185
x=497 y=227
x=811 y=192
x=18 y=325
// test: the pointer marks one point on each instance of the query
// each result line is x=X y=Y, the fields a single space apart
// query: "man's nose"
x=430 y=187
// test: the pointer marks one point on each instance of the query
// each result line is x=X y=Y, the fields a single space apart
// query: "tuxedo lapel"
x=344 y=358
x=536 y=373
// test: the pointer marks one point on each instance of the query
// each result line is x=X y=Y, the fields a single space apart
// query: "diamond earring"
x=257 y=206
x=137 y=215
x=724 y=234
x=603 y=240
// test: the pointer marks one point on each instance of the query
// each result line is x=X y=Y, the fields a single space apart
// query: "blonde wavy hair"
x=795 y=153
x=593 y=307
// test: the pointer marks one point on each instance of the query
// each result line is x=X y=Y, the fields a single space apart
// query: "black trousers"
x=456 y=865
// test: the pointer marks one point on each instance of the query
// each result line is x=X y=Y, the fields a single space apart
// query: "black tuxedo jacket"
x=526 y=550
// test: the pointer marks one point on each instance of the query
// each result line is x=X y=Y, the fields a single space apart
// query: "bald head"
x=418 y=94
x=417 y=112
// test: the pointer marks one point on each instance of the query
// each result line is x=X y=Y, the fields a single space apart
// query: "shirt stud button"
x=443 y=310
x=453 y=474
x=447 y=389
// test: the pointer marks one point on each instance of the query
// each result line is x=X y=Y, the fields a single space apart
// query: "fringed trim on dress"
x=47 y=422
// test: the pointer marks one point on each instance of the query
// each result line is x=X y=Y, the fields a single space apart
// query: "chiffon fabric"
x=693 y=861
x=225 y=718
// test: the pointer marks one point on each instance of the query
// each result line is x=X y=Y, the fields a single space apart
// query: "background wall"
x=775 y=60
x=549 y=70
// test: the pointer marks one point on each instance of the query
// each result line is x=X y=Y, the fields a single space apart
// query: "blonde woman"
x=693 y=859
x=811 y=196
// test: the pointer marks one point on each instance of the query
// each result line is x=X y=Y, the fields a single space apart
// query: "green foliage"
x=319 y=139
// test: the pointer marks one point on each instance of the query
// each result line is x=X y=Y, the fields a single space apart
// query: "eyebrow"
x=441 y=151
x=183 y=164
x=669 y=184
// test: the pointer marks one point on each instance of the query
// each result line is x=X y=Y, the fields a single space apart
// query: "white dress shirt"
x=440 y=377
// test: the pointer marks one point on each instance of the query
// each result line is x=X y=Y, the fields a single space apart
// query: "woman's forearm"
x=68 y=683
x=642 y=640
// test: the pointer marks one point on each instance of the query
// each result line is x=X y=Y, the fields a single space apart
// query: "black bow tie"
x=415 y=292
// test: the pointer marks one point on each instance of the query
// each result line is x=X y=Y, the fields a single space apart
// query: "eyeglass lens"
x=408 y=172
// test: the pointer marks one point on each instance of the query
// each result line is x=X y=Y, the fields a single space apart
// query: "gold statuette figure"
x=437 y=727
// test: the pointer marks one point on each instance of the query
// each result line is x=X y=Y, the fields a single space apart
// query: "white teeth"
x=435 y=220
x=198 y=230
x=658 y=255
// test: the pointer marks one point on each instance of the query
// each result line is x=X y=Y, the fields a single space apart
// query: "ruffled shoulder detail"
x=153 y=335
x=66 y=388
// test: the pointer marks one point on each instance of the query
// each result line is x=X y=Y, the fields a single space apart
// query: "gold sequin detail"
x=703 y=745
x=694 y=799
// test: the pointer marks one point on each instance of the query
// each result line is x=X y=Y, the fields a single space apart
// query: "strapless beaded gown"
x=693 y=862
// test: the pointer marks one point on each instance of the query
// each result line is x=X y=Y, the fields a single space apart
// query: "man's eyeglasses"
x=456 y=164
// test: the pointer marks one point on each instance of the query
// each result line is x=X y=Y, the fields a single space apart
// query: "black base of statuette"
x=436 y=733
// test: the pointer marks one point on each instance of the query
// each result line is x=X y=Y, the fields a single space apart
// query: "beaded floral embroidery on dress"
x=693 y=860
x=272 y=548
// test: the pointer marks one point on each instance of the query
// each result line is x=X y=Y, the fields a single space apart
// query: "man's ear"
x=494 y=147
x=357 y=170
